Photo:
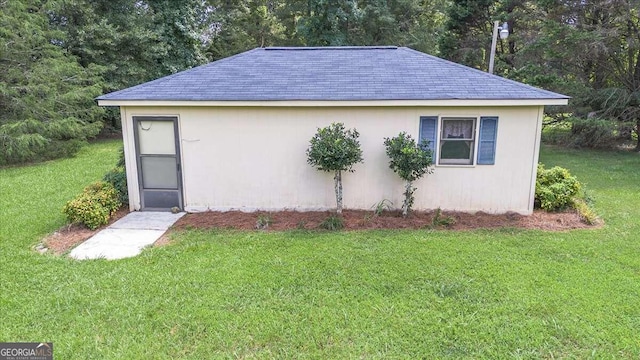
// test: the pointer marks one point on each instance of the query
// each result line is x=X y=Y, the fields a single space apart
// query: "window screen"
x=457 y=140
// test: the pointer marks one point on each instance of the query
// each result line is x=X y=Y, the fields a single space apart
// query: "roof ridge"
x=346 y=47
x=493 y=76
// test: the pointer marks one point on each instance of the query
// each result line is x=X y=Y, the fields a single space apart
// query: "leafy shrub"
x=555 y=188
x=556 y=133
x=585 y=212
x=593 y=133
x=263 y=222
x=35 y=140
x=94 y=206
x=117 y=177
x=332 y=223
x=120 y=162
x=381 y=206
x=441 y=221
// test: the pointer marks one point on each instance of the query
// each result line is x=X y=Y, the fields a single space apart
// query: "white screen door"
x=158 y=156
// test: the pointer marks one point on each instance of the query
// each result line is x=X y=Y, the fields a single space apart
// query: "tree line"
x=58 y=55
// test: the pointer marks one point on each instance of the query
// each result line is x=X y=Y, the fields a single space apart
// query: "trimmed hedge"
x=556 y=188
x=94 y=206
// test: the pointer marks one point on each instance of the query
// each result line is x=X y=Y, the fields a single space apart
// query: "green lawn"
x=375 y=294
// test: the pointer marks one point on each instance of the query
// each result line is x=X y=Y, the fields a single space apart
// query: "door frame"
x=176 y=135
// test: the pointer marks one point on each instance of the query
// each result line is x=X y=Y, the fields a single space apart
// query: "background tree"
x=404 y=22
x=334 y=149
x=57 y=55
x=467 y=35
x=589 y=50
x=46 y=98
x=134 y=41
x=243 y=25
x=410 y=162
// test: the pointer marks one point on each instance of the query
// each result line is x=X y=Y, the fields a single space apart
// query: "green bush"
x=120 y=162
x=332 y=223
x=381 y=206
x=555 y=188
x=439 y=220
x=94 y=206
x=556 y=133
x=117 y=177
x=263 y=222
x=585 y=212
x=593 y=133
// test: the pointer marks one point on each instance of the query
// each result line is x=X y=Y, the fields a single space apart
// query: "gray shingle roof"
x=331 y=73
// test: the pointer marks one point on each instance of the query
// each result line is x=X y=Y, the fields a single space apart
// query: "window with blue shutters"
x=452 y=140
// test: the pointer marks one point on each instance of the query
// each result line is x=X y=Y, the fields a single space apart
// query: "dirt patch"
x=363 y=220
x=165 y=239
x=67 y=237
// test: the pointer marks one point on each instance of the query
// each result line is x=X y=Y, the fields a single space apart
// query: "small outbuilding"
x=232 y=134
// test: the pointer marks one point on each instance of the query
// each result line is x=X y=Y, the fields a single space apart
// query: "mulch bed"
x=364 y=220
x=68 y=237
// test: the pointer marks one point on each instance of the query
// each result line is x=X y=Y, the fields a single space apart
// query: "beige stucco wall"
x=253 y=158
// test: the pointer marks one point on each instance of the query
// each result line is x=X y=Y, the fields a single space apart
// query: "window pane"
x=156 y=137
x=159 y=172
x=457 y=129
x=456 y=152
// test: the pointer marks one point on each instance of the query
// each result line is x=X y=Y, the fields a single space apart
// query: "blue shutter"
x=429 y=131
x=487 y=144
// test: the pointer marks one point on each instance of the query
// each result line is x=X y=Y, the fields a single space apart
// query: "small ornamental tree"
x=334 y=149
x=410 y=162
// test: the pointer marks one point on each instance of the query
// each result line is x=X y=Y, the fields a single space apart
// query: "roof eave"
x=337 y=103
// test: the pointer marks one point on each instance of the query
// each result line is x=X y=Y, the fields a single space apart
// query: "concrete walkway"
x=127 y=236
